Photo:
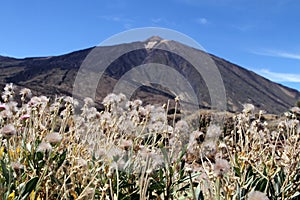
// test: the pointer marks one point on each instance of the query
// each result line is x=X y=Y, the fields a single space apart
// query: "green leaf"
x=165 y=154
x=61 y=159
x=5 y=171
x=237 y=171
x=261 y=184
x=296 y=195
x=30 y=185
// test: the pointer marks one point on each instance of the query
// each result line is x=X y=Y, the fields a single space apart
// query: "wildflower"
x=9 y=87
x=53 y=138
x=129 y=105
x=158 y=114
x=257 y=195
x=44 y=147
x=213 y=131
x=221 y=167
x=55 y=106
x=209 y=149
x=181 y=127
x=188 y=170
x=125 y=144
x=110 y=99
x=137 y=103
x=248 y=108
x=8 y=131
x=11 y=196
x=156 y=127
x=17 y=166
x=262 y=112
x=118 y=164
x=92 y=113
x=222 y=145
x=88 y=193
x=88 y=101
x=292 y=123
x=44 y=99
x=99 y=152
x=34 y=101
x=25 y=93
x=81 y=162
x=12 y=106
x=295 y=110
x=195 y=136
x=158 y=160
x=1 y=151
x=149 y=109
x=71 y=100
x=121 y=97
x=2 y=107
x=24 y=117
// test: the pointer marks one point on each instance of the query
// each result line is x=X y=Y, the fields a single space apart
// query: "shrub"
x=298 y=104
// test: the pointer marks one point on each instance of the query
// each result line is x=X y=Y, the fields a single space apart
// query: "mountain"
x=55 y=75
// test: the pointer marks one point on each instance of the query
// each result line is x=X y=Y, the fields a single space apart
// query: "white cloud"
x=279 y=77
x=202 y=21
x=276 y=53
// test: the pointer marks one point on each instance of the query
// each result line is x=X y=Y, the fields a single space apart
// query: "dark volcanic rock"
x=55 y=76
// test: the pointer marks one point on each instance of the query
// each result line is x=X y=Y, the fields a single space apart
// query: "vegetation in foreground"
x=130 y=151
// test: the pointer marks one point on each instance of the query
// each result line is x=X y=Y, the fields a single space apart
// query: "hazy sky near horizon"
x=260 y=35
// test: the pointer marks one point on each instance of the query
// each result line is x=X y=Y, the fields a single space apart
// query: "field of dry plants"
x=132 y=151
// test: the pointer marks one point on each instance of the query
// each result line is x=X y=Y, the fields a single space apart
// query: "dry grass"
x=129 y=151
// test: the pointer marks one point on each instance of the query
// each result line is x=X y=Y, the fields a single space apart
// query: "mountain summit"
x=56 y=75
x=154 y=39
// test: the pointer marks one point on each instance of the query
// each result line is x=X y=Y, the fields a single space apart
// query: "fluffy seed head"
x=221 y=167
x=248 y=108
x=17 y=166
x=213 y=131
x=44 y=147
x=53 y=138
x=257 y=195
x=25 y=92
x=8 y=131
x=295 y=110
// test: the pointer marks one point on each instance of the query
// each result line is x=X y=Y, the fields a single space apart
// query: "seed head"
x=257 y=195
x=53 y=138
x=25 y=92
x=248 y=108
x=8 y=131
x=181 y=127
x=17 y=166
x=221 y=167
x=125 y=144
x=213 y=132
x=88 y=101
x=81 y=162
x=295 y=110
x=44 y=147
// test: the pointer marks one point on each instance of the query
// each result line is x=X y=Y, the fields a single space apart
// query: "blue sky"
x=260 y=35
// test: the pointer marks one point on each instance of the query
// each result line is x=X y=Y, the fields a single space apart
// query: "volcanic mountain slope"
x=56 y=75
